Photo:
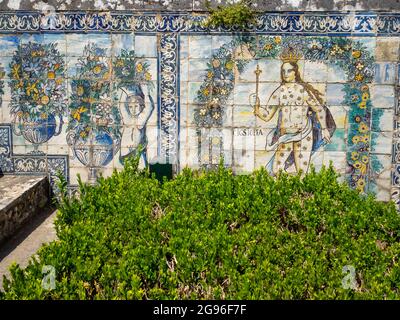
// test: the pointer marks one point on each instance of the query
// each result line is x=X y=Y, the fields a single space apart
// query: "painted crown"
x=290 y=55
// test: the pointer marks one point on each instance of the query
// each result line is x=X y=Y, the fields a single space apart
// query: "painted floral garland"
x=350 y=55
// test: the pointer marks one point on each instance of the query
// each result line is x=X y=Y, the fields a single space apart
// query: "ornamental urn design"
x=38 y=92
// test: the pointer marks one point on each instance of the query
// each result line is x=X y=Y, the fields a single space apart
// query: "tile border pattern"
x=168 y=77
x=395 y=174
x=319 y=23
x=11 y=163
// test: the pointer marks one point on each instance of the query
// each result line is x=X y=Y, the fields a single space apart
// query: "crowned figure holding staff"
x=304 y=122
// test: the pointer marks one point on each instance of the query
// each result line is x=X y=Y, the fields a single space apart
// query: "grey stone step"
x=21 y=198
x=27 y=241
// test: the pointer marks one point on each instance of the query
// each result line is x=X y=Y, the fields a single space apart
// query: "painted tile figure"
x=134 y=89
x=135 y=113
x=304 y=122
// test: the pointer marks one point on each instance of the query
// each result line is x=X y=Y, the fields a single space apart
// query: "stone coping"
x=13 y=187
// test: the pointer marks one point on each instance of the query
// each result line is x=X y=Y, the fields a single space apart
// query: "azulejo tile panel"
x=78 y=99
x=80 y=91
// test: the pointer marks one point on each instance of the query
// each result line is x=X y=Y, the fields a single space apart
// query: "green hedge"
x=217 y=236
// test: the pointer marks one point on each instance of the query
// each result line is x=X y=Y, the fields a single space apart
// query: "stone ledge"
x=21 y=197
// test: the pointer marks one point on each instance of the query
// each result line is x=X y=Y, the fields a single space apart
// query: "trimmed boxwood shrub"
x=215 y=235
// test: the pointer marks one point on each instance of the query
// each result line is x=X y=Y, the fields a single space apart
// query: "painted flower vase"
x=96 y=152
x=37 y=130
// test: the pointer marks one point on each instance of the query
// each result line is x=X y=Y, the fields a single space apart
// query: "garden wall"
x=81 y=89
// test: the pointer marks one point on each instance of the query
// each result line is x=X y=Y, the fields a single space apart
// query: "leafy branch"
x=239 y=14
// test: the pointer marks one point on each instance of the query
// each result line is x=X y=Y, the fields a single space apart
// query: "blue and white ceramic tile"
x=124 y=41
x=270 y=71
x=187 y=112
x=396 y=127
x=146 y=46
x=59 y=39
x=258 y=133
x=385 y=73
x=262 y=157
x=193 y=88
x=396 y=151
x=31 y=37
x=395 y=197
x=242 y=92
x=55 y=148
x=317 y=159
x=8 y=44
x=184 y=91
x=7 y=117
x=398 y=73
x=383 y=96
x=184 y=70
x=336 y=74
x=7 y=90
x=6 y=65
x=218 y=41
x=315 y=71
x=340 y=116
x=200 y=47
x=336 y=158
x=243 y=160
x=368 y=43
x=76 y=43
x=184 y=47
x=243 y=116
x=382 y=119
x=75 y=171
x=338 y=141
x=227 y=141
x=387 y=49
x=396 y=175
x=381 y=142
x=380 y=183
x=198 y=69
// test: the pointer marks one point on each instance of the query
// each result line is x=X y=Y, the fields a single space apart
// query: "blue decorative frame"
x=331 y=23
x=22 y=164
x=168 y=98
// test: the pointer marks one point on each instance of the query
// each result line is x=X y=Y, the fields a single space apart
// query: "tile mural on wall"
x=81 y=92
